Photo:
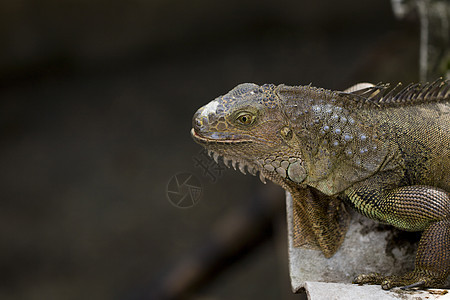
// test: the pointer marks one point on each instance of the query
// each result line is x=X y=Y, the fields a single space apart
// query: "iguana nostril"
x=198 y=122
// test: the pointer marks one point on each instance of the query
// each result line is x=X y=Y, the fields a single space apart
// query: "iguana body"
x=385 y=154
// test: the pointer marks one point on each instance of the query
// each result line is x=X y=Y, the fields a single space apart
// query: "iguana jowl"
x=384 y=152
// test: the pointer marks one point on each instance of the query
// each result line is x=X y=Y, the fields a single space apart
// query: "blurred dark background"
x=96 y=104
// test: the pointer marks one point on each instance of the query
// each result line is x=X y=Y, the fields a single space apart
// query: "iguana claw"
x=372 y=278
x=410 y=280
x=416 y=284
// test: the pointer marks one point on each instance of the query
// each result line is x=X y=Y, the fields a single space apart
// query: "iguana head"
x=247 y=127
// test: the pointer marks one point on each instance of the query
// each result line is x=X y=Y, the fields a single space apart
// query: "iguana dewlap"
x=384 y=153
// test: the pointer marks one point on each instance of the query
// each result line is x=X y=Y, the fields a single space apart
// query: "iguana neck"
x=334 y=141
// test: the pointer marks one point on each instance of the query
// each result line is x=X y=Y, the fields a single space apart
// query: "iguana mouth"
x=206 y=140
x=229 y=161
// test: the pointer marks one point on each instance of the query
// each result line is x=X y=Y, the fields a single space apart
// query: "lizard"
x=383 y=151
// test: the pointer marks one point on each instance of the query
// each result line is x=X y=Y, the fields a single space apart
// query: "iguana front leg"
x=411 y=208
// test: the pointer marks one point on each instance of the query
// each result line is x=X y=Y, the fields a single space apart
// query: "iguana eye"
x=245 y=118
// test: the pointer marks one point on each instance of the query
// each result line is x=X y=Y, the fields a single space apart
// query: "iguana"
x=383 y=151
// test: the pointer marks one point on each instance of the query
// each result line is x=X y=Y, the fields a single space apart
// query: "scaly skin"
x=386 y=154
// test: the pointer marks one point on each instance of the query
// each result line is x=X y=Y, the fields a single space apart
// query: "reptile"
x=383 y=151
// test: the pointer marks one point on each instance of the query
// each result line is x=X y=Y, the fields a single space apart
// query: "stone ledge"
x=368 y=247
x=329 y=291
